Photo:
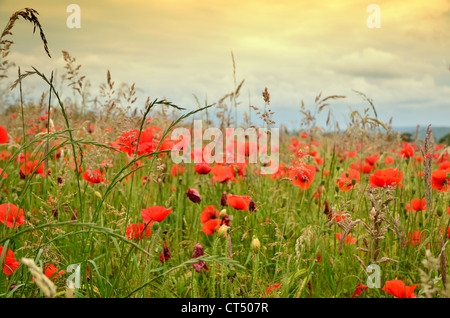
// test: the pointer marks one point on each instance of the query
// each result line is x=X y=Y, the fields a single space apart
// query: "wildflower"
x=359 y=290
x=440 y=180
x=223 y=199
x=9 y=264
x=11 y=216
x=348 y=239
x=222 y=173
x=272 y=288
x=209 y=213
x=3 y=135
x=389 y=160
x=239 y=202
x=165 y=253
x=211 y=225
x=155 y=214
x=371 y=160
x=198 y=251
x=202 y=168
x=136 y=231
x=387 y=177
x=194 y=195
x=407 y=151
x=416 y=205
x=51 y=271
x=3 y=174
x=398 y=289
x=302 y=175
x=32 y=167
x=94 y=176
x=416 y=238
x=348 y=180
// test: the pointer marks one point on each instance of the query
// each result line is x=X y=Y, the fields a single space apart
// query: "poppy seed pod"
x=194 y=195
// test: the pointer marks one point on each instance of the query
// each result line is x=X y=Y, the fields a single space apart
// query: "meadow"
x=93 y=206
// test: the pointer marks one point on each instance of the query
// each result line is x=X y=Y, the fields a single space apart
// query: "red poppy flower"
x=32 y=167
x=11 y=216
x=416 y=238
x=155 y=214
x=359 y=290
x=416 y=205
x=223 y=173
x=211 y=225
x=3 y=174
x=348 y=239
x=348 y=180
x=94 y=176
x=440 y=180
x=444 y=166
x=239 y=202
x=51 y=270
x=136 y=231
x=271 y=289
x=177 y=170
x=202 y=168
x=302 y=175
x=386 y=177
x=398 y=289
x=9 y=264
x=209 y=213
x=362 y=168
x=407 y=151
x=371 y=160
x=388 y=160
x=3 y=135
x=338 y=217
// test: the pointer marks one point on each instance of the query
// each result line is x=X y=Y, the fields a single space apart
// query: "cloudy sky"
x=295 y=48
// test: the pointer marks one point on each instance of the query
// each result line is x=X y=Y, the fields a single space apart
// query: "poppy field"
x=93 y=206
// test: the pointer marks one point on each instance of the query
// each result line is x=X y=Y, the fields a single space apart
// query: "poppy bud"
x=55 y=212
x=226 y=220
x=353 y=181
x=194 y=195
x=165 y=253
x=256 y=245
x=336 y=188
x=440 y=211
x=222 y=232
x=252 y=206
x=74 y=215
x=223 y=199
x=223 y=213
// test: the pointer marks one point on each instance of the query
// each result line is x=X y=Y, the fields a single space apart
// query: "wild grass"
x=286 y=246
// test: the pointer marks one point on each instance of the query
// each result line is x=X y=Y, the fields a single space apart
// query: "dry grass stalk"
x=29 y=15
x=42 y=281
x=427 y=161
